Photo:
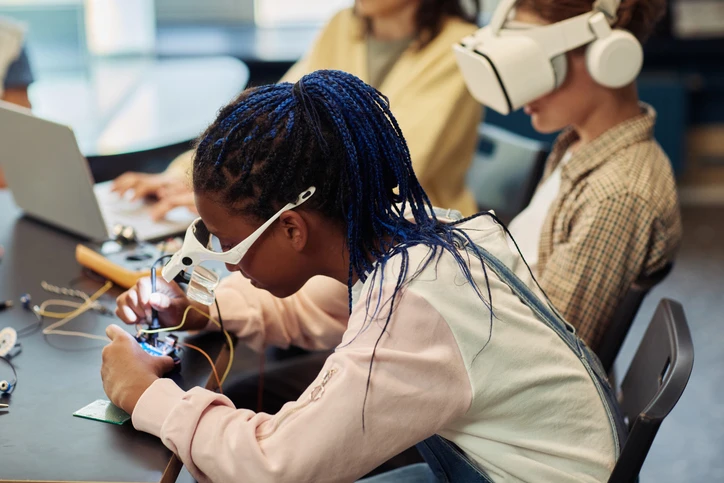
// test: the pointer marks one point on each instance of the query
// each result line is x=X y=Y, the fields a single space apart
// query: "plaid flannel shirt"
x=616 y=218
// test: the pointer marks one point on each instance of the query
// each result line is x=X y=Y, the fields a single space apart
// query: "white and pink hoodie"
x=524 y=409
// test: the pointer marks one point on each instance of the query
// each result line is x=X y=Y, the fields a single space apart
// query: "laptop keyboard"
x=119 y=210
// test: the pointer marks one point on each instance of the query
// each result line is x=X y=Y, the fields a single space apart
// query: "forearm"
x=314 y=318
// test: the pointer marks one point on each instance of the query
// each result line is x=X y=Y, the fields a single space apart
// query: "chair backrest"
x=653 y=385
x=505 y=170
x=625 y=315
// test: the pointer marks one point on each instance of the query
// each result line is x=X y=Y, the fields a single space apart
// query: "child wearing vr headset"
x=443 y=339
x=606 y=211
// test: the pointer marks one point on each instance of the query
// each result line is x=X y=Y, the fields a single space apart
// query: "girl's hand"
x=127 y=370
x=134 y=306
x=172 y=197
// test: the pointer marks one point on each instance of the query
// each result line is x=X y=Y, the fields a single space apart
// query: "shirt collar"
x=595 y=153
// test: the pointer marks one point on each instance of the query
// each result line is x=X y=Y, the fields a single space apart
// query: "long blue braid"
x=332 y=131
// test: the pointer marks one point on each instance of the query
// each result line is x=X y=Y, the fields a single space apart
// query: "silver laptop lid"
x=48 y=176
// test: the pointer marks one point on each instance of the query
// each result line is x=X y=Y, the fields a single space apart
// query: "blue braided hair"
x=332 y=131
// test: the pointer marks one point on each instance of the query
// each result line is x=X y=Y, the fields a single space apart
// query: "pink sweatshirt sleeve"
x=419 y=384
x=314 y=318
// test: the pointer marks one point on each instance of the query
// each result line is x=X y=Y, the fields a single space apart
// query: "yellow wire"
x=41 y=310
x=169 y=329
x=212 y=319
x=73 y=333
x=231 y=356
x=82 y=308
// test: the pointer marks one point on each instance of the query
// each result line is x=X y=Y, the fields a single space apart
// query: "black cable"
x=218 y=311
x=29 y=329
x=161 y=259
x=14 y=383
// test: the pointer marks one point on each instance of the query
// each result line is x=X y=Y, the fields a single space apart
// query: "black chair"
x=653 y=385
x=505 y=170
x=625 y=315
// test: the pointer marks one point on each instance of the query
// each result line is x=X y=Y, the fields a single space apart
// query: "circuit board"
x=158 y=347
x=103 y=411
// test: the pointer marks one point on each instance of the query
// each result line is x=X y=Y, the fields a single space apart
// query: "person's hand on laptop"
x=146 y=185
x=172 y=197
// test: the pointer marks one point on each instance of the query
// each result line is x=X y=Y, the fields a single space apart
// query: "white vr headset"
x=197 y=248
x=506 y=68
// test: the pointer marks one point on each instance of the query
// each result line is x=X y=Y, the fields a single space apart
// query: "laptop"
x=50 y=180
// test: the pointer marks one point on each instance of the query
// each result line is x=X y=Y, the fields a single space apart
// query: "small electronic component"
x=151 y=344
x=149 y=340
x=103 y=411
x=8 y=341
x=25 y=301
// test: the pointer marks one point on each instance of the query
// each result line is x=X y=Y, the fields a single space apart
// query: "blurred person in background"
x=15 y=72
x=402 y=48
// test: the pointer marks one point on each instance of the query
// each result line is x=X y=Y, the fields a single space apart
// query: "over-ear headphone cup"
x=615 y=60
x=560 y=68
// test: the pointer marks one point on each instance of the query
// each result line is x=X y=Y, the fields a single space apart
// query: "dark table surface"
x=40 y=440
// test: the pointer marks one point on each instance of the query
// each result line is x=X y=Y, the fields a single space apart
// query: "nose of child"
x=234 y=268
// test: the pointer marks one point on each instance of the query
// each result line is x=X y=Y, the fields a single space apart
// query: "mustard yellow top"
x=427 y=94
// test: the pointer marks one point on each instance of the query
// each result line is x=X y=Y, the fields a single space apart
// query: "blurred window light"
x=276 y=13
x=39 y=3
x=120 y=26
x=701 y=19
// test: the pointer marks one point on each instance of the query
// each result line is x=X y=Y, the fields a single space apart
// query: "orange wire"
x=260 y=392
x=208 y=358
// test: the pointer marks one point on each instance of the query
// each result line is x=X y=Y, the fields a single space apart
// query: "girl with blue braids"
x=441 y=337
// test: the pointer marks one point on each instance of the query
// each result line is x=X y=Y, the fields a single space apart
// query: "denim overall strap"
x=551 y=317
x=449 y=463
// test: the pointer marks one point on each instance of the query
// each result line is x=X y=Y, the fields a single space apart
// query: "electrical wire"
x=14 y=383
x=68 y=292
x=260 y=391
x=219 y=323
x=43 y=311
x=213 y=320
x=211 y=362
x=30 y=329
x=68 y=316
x=80 y=308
